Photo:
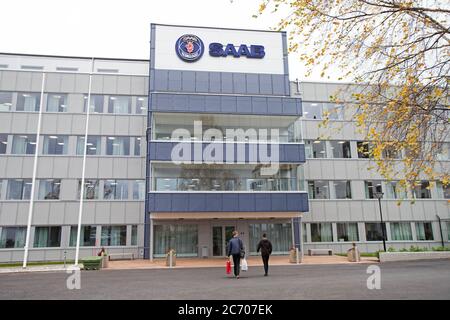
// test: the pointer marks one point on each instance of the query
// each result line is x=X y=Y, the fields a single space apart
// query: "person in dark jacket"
x=266 y=250
x=235 y=249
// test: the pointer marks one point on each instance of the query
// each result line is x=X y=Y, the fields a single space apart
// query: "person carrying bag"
x=236 y=250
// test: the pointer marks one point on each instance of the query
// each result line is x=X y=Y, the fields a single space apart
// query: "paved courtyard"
x=400 y=280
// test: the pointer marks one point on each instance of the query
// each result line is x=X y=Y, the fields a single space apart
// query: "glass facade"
x=318 y=189
x=56 y=102
x=374 y=231
x=342 y=189
x=321 y=232
x=28 y=101
x=91 y=188
x=119 y=104
x=24 y=144
x=49 y=189
x=3 y=143
x=421 y=190
x=424 y=231
x=115 y=190
x=96 y=103
x=93 y=145
x=18 y=189
x=315 y=149
x=5 y=101
x=12 y=237
x=47 y=237
x=114 y=236
x=118 y=146
x=340 y=149
x=347 y=231
x=401 y=231
x=55 y=144
x=183 y=238
x=88 y=236
x=279 y=234
x=371 y=187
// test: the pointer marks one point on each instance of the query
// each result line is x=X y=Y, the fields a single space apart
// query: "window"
x=183 y=238
x=347 y=232
x=315 y=149
x=87 y=236
x=448 y=231
x=139 y=190
x=118 y=146
x=18 y=189
x=93 y=146
x=340 y=149
x=24 y=144
x=56 y=102
x=90 y=189
x=371 y=187
x=401 y=231
x=3 y=143
x=5 y=101
x=12 y=237
x=119 y=104
x=321 y=232
x=333 y=111
x=304 y=233
x=363 y=148
x=141 y=105
x=134 y=235
x=312 y=110
x=421 y=190
x=394 y=190
x=115 y=190
x=114 y=235
x=96 y=103
x=55 y=144
x=318 y=189
x=49 y=189
x=391 y=153
x=342 y=189
x=424 y=231
x=280 y=235
x=444 y=153
x=47 y=237
x=374 y=231
x=28 y=101
x=137 y=146
x=443 y=190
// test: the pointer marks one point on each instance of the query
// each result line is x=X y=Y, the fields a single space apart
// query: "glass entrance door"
x=221 y=236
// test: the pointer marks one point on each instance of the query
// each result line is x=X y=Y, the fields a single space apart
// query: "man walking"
x=266 y=250
x=236 y=249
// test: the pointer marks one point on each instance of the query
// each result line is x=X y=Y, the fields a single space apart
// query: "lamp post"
x=379 y=195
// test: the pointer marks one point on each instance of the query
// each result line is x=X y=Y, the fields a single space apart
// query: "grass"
x=38 y=263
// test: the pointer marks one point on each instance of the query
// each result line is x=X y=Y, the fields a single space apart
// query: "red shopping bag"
x=228 y=267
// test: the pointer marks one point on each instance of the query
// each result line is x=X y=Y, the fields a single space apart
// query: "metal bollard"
x=65 y=258
x=296 y=255
x=170 y=259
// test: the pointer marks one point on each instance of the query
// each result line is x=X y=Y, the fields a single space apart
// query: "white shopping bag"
x=244 y=265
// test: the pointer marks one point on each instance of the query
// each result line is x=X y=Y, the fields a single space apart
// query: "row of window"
x=59 y=145
x=50 y=237
x=50 y=189
x=348 y=231
x=59 y=102
x=341 y=149
x=341 y=189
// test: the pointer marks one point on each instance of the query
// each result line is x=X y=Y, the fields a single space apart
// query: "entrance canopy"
x=224 y=215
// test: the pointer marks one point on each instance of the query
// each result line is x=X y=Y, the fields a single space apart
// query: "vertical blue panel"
x=265 y=84
x=278 y=84
x=274 y=106
x=227 y=82
x=188 y=81
x=179 y=201
x=279 y=202
x=230 y=202
x=228 y=104
x=262 y=202
x=289 y=105
x=246 y=202
x=180 y=102
x=196 y=103
x=161 y=80
x=239 y=83
x=214 y=82
x=212 y=104
x=201 y=81
x=244 y=105
x=259 y=105
x=163 y=202
x=252 y=84
x=214 y=202
x=174 y=80
x=197 y=202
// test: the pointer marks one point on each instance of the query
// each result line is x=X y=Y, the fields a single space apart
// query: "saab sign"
x=190 y=48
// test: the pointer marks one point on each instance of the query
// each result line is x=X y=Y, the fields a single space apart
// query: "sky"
x=118 y=29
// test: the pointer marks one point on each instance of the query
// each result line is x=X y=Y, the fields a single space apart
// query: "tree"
x=398 y=54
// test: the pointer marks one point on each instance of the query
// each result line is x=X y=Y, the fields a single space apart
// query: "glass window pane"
x=401 y=231
x=87 y=236
x=394 y=190
x=137 y=146
x=312 y=110
x=321 y=232
x=96 y=103
x=333 y=111
x=12 y=237
x=114 y=235
x=424 y=231
x=342 y=189
x=5 y=101
x=90 y=189
x=55 y=144
x=18 y=189
x=315 y=149
x=139 y=190
x=119 y=104
x=56 y=102
x=28 y=101
x=372 y=186
x=118 y=146
x=141 y=105
x=318 y=189
x=49 y=189
x=115 y=190
x=134 y=235
x=421 y=190
x=340 y=149
x=93 y=146
x=47 y=237
x=24 y=144
x=3 y=143
x=182 y=238
x=374 y=231
x=363 y=148
x=347 y=232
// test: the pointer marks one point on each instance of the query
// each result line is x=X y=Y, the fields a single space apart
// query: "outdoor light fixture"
x=379 y=196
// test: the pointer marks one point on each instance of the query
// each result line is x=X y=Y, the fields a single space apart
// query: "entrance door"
x=221 y=236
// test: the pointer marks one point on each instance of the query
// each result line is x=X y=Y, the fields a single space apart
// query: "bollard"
x=296 y=254
x=170 y=258
x=65 y=258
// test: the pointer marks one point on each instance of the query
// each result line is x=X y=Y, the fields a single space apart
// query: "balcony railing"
x=235 y=184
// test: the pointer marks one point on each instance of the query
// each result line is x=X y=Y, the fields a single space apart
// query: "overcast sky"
x=118 y=29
